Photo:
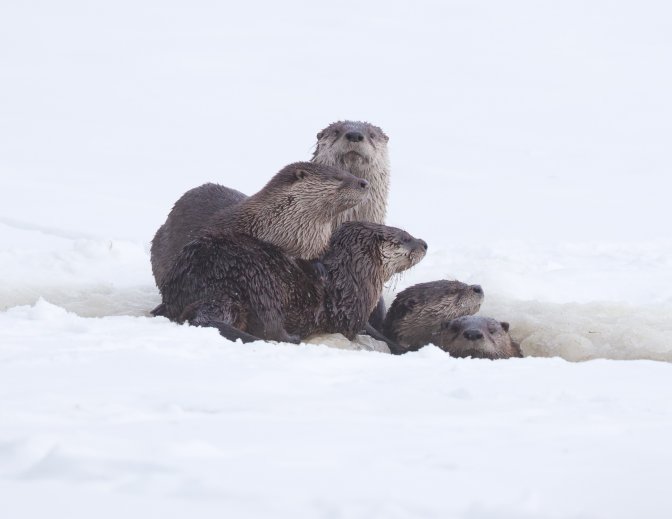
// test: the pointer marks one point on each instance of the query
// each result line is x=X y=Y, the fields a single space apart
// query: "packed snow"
x=530 y=149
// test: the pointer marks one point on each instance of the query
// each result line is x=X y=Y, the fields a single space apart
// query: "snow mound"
x=587 y=331
x=92 y=277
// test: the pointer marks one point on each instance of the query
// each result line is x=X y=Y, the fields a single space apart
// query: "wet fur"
x=250 y=289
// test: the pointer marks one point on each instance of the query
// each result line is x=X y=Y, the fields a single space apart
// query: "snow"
x=134 y=410
x=530 y=148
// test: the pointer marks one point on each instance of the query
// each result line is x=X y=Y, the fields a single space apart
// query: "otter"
x=477 y=337
x=294 y=211
x=252 y=290
x=356 y=147
x=360 y=148
x=417 y=312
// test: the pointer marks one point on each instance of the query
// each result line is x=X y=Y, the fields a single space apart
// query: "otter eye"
x=320 y=135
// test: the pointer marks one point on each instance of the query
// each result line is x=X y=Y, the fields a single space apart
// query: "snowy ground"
x=530 y=148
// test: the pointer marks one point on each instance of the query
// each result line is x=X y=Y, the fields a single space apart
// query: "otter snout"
x=352 y=182
x=354 y=136
x=472 y=335
x=477 y=289
x=418 y=247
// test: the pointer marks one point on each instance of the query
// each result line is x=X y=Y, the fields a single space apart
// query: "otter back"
x=295 y=211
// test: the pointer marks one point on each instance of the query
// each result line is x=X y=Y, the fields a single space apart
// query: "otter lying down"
x=250 y=290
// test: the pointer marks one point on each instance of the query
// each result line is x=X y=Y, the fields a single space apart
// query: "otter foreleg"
x=377 y=317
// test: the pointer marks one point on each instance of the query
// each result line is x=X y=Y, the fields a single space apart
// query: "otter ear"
x=386 y=138
x=320 y=135
x=300 y=174
x=410 y=303
x=505 y=325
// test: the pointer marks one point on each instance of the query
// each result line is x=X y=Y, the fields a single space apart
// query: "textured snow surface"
x=136 y=414
x=530 y=148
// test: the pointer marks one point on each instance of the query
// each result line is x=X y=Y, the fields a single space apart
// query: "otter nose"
x=477 y=289
x=423 y=244
x=354 y=136
x=473 y=335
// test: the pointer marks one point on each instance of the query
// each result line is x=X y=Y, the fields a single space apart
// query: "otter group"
x=309 y=254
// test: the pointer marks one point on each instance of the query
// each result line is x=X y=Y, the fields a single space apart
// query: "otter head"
x=316 y=191
x=386 y=250
x=477 y=337
x=441 y=300
x=297 y=208
x=352 y=145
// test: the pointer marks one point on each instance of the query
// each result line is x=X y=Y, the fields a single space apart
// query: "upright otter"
x=357 y=147
x=250 y=289
x=416 y=314
x=477 y=337
x=360 y=148
x=294 y=211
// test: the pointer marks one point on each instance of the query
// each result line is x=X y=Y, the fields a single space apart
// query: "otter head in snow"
x=477 y=337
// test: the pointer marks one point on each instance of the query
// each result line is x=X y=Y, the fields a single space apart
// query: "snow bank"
x=92 y=277
x=133 y=411
x=587 y=331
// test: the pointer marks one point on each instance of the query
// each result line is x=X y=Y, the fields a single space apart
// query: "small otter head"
x=389 y=250
x=400 y=251
x=441 y=300
x=296 y=210
x=352 y=145
x=314 y=190
x=477 y=337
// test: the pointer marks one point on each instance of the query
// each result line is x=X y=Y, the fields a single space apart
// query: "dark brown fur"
x=477 y=337
x=250 y=289
x=416 y=314
x=294 y=211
